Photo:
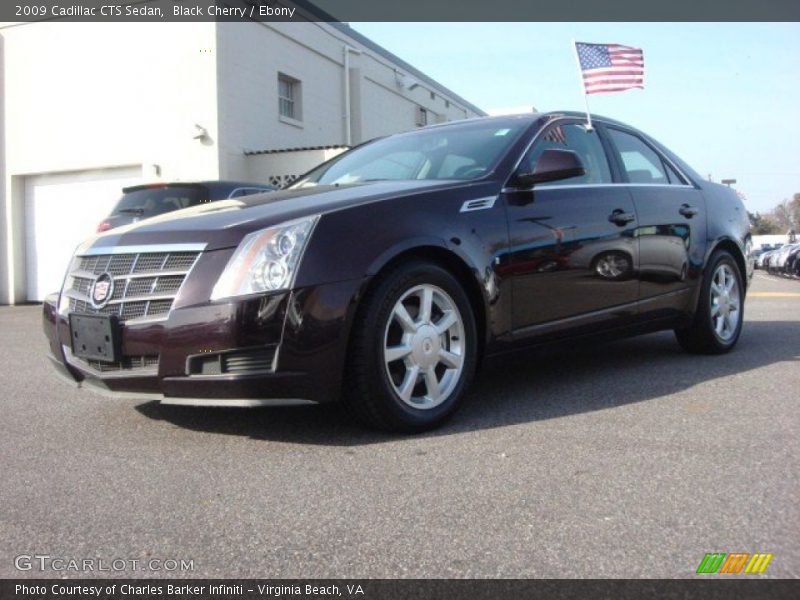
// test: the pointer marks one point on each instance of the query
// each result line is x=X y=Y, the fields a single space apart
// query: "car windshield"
x=464 y=151
x=159 y=200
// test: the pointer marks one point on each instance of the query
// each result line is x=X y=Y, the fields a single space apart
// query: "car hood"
x=222 y=224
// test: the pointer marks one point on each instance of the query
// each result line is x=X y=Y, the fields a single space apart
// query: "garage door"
x=61 y=211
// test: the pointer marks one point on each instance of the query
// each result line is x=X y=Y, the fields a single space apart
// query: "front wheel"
x=718 y=319
x=413 y=350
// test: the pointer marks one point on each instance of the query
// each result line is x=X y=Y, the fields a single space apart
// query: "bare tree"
x=786 y=214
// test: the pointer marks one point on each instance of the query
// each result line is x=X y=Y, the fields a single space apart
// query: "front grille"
x=128 y=363
x=145 y=283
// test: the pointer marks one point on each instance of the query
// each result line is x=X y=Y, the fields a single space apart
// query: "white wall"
x=78 y=97
x=5 y=255
x=252 y=54
x=82 y=96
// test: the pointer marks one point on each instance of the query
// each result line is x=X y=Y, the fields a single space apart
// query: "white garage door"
x=61 y=211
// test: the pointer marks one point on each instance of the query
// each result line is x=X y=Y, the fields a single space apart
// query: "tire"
x=718 y=317
x=397 y=378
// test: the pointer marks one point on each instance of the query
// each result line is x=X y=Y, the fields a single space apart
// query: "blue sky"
x=723 y=96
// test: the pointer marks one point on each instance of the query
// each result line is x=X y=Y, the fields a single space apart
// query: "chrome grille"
x=145 y=283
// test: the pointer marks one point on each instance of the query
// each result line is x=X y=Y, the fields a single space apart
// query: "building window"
x=421 y=117
x=289 y=97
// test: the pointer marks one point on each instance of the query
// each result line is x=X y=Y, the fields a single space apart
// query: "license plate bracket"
x=95 y=337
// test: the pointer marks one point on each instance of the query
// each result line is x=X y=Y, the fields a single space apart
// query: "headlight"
x=266 y=260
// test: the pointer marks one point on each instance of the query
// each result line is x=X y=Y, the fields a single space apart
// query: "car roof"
x=531 y=118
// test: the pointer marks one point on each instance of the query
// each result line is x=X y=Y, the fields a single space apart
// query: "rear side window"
x=575 y=137
x=148 y=202
x=640 y=162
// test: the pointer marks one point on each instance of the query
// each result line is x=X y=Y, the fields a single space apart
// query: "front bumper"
x=285 y=348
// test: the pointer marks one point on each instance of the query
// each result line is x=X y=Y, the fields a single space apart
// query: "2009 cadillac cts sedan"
x=383 y=276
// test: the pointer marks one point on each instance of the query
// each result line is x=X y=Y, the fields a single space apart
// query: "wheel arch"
x=734 y=250
x=439 y=254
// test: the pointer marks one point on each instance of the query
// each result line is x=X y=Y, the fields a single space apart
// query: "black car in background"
x=385 y=275
x=143 y=201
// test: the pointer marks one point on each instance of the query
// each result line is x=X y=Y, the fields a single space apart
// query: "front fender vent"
x=478 y=204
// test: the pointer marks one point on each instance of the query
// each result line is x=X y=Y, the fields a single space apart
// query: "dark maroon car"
x=384 y=276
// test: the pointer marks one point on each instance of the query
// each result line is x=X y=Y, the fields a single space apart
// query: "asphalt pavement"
x=631 y=459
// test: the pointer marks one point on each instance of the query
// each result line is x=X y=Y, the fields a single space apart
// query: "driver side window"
x=575 y=137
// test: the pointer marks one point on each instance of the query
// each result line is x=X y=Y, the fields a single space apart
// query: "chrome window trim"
x=141 y=249
x=595 y=185
x=606 y=124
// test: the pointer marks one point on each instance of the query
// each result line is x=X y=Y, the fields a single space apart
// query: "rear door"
x=672 y=222
x=573 y=246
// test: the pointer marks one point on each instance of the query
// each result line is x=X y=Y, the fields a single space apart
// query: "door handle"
x=620 y=217
x=688 y=211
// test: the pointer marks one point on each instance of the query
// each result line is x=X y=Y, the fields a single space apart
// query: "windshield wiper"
x=132 y=211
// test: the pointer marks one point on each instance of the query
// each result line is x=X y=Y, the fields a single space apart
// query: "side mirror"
x=552 y=165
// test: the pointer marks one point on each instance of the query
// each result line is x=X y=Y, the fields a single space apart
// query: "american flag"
x=556 y=134
x=610 y=67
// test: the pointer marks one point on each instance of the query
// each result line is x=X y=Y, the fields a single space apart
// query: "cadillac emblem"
x=101 y=291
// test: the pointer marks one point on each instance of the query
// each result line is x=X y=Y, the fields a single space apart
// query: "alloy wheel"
x=725 y=302
x=424 y=346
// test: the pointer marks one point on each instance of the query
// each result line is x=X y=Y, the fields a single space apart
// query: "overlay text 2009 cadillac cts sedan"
x=383 y=277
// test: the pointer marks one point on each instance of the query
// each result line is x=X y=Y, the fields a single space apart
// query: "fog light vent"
x=245 y=361
x=248 y=361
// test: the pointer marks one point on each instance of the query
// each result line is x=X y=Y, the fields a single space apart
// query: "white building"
x=88 y=108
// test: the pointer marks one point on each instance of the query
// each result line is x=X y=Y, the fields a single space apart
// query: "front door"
x=574 y=251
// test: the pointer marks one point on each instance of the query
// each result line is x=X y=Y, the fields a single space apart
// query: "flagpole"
x=583 y=85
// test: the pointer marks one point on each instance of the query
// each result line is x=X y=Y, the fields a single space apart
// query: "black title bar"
x=22 y=11
x=380 y=589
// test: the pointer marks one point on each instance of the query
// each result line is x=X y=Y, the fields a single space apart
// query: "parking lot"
x=626 y=460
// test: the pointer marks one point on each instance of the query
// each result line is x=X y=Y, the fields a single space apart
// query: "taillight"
x=104 y=226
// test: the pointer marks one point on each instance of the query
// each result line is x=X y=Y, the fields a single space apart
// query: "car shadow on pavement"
x=521 y=388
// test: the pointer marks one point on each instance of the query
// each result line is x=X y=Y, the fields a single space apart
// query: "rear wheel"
x=413 y=350
x=718 y=318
